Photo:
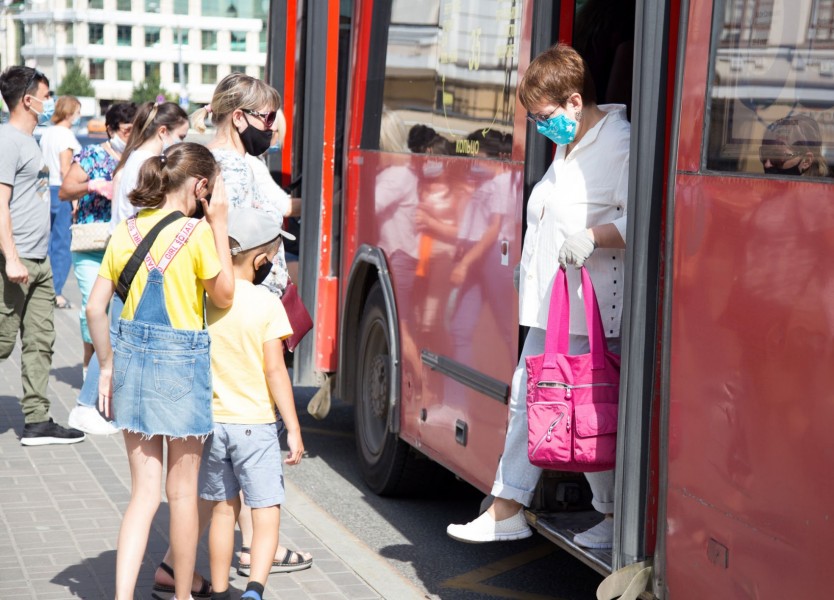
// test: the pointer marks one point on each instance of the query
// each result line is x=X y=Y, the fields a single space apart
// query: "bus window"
x=450 y=71
x=771 y=105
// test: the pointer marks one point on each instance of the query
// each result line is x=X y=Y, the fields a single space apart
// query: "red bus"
x=414 y=161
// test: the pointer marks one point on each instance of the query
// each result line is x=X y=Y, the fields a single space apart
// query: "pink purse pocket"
x=550 y=439
x=595 y=432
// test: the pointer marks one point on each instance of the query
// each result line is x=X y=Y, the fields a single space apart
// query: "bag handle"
x=138 y=256
x=557 y=338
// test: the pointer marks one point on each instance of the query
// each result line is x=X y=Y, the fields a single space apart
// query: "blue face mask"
x=48 y=109
x=560 y=129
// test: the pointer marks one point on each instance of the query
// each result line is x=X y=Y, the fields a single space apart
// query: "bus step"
x=560 y=528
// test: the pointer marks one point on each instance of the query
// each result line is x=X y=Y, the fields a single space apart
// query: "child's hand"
x=296 y=448
x=217 y=210
x=105 y=392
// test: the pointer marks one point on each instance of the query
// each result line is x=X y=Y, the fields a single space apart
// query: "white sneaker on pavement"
x=87 y=419
x=598 y=537
x=486 y=529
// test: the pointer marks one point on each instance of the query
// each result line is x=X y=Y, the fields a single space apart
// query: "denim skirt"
x=161 y=380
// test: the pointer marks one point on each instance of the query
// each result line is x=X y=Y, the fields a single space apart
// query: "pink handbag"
x=572 y=399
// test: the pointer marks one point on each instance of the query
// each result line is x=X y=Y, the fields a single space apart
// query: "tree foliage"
x=75 y=83
x=148 y=90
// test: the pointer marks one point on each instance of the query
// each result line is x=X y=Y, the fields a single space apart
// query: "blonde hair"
x=64 y=108
x=802 y=135
x=393 y=134
x=235 y=91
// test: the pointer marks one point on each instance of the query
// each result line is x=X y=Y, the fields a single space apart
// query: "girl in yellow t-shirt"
x=155 y=380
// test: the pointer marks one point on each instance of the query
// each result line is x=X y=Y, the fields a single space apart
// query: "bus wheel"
x=383 y=458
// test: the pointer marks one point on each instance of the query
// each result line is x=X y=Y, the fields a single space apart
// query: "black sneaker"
x=49 y=432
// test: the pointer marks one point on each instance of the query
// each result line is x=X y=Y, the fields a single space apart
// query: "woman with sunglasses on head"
x=793 y=147
x=155 y=378
x=576 y=216
x=90 y=182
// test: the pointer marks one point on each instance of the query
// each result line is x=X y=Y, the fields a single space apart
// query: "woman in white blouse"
x=576 y=216
x=58 y=145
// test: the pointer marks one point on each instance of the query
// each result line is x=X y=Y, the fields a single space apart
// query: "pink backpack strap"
x=179 y=241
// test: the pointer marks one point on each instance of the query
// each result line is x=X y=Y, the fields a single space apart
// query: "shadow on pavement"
x=69 y=375
x=91 y=578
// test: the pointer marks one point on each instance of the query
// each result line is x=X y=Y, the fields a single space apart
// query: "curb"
x=363 y=561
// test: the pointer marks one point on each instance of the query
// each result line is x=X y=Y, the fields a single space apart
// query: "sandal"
x=203 y=592
x=292 y=561
x=62 y=303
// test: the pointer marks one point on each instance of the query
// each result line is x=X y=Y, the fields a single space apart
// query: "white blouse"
x=586 y=189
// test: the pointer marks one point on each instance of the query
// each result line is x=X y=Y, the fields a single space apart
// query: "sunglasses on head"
x=268 y=118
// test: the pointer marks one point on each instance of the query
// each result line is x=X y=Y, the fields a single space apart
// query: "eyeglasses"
x=540 y=118
x=776 y=154
x=268 y=118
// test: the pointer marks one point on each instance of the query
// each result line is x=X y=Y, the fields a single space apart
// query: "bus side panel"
x=749 y=493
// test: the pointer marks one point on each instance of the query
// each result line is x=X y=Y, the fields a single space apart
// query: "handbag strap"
x=557 y=338
x=138 y=256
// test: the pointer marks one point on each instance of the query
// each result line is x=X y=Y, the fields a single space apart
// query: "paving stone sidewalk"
x=61 y=506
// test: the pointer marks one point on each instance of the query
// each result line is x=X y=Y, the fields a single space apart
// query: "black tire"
x=389 y=466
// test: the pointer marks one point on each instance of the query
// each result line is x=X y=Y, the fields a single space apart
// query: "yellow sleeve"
x=206 y=262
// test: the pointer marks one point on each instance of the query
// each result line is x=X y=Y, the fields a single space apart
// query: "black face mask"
x=255 y=141
x=792 y=172
x=262 y=272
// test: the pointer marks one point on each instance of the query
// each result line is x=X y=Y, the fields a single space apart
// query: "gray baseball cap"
x=252 y=228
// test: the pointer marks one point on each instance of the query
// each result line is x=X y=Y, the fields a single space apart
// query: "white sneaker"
x=87 y=418
x=487 y=529
x=598 y=537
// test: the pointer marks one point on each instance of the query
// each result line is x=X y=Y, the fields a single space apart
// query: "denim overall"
x=161 y=375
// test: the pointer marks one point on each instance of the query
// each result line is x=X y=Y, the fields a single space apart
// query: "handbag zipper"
x=549 y=435
x=568 y=387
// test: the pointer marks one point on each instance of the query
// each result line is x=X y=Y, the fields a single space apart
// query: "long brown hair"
x=168 y=172
x=149 y=118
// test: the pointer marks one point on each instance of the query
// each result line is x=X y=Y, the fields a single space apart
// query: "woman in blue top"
x=90 y=181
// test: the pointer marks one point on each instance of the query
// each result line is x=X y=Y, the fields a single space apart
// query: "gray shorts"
x=243 y=457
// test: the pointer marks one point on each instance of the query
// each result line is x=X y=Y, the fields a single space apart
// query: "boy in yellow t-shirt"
x=250 y=380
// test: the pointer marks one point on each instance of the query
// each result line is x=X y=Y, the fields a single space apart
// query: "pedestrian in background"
x=59 y=145
x=26 y=289
x=89 y=181
x=155 y=379
x=250 y=383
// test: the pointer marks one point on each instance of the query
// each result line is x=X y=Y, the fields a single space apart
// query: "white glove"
x=576 y=249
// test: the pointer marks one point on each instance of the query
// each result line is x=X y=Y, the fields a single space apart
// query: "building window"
x=96 y=68
x=262 y=40
x=261 y=73
x=238 y=69
x=177 y=78
x=238 y=41
x=209 y=40
x=124 y=71
x=233 y=9
x=152 y=36
x=123 y=5
x=95 y=33
x=210 y=74
x=70 y=33
x=152 y=6
x=95 y=4
x=124 y=35
x=152 y=70
x=180 y=7
x=181 y=36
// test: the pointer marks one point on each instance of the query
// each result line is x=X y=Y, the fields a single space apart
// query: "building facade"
x=188 y=44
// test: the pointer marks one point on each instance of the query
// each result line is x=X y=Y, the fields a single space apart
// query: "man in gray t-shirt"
x=25 y=275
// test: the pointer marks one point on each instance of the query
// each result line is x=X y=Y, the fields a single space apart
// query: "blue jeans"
x=85 y=266
x=161 y=375
x=89 y=391
x=59 y=239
